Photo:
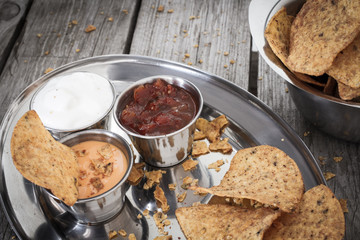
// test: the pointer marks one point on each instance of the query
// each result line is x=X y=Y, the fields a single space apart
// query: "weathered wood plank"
x=57 y=42
x=204 y=31
x=12 y=15
x=346 y=184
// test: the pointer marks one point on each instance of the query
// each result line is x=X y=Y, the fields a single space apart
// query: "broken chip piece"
x=153 y=177
x=190 y=164
x=199 y=148
x=221 y=146
x=161 y=200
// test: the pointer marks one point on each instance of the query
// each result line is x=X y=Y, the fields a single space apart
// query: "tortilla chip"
x=153 y=177
x=221 y=146
x=199 y=148
x=161 y=200
x=44 y=161
x=319 y=32
x=347 y=93
x=181 y=197
x=136 y=174
x=264 y=174
x=345 y=68
x=198 y=135
x=277 y=33
x=330 y=86
x=190 y=164
x=159 y=219
x=224 y=222
x=212 y=129
x=320 y=217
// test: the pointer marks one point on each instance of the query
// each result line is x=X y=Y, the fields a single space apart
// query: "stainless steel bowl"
x=104 y=206
x=164 y=150
x=332 y=115
x=96 y=123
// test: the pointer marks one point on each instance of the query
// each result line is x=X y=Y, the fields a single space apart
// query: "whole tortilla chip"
x=264 y=174
x=346 y=66
x=347 y=93
x=224 y=222
x=44 y=161
x=277 y=33
x=319 y=32
x=320 y=216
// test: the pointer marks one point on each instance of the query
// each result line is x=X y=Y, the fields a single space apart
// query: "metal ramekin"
x=164 y=150
x=106 y=205
x=99 y=123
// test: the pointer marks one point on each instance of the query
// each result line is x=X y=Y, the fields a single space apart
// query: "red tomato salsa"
x=158 y=108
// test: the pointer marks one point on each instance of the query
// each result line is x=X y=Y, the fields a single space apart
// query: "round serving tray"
x=251 y=123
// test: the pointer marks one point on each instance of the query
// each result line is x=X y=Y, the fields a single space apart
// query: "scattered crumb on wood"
x=48 y=70
x=337 y=159
x=160 y=8
x=125 y=11
x=110 y=19
x=39 y=35
x=329 y=175
x=90 y=28
x=170 y=11
x=343 y=203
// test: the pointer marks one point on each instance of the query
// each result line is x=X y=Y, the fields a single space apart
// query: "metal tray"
x=251 y=123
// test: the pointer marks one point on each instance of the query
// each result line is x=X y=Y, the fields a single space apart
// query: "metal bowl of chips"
x=100 y=207
x=326 y=111
x=167 y=149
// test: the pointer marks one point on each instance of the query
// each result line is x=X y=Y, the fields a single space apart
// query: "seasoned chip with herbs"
x=264 y=174
x=224 y=222
x=44 y=161
x=199 y=148
x=320 y=216
x=221 y=146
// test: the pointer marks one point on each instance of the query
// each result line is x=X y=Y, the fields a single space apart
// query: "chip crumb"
x=112 y=234
x=170 y=11
x=172 y=186
x=46 y=53
x=226 y=53
x=90 y=28
x=282 y=139
x=110 y=19
x=25 y=61
x=48 y=70
x=286 y=90
x=232 y=61
x=221 y=146
x=225 y=66
x=77 y=50
x=139 y=216
x=161 y=200
x=260 y=78
x=122 y=233
x=184 y=31
x=39 y=35
x=306 y=133
x=187 y=55
x=189 y=164
x=338 y=159
x=153 y=177
x=132 y=236
x=75 y=22
x=216 y=165
x=343 y=203
x=200 y=61
x=196 y=46
x=160 y=8
x=199 y=148
x=146 y=212
x=101 y=13
x=192 y=17
x=322 y=160
x=329 y=175
x=181 y=197
x=189 y=63
x=189 y=182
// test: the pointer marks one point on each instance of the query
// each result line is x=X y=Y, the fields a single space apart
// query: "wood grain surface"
x=212 y=36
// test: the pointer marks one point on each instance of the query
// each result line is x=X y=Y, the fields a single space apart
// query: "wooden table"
x=213 y=36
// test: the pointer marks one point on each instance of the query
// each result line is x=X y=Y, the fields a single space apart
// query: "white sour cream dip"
x=73 y=101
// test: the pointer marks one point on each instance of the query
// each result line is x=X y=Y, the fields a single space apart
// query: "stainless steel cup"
x=104 y=206
x=98 y=123
x=164 y=150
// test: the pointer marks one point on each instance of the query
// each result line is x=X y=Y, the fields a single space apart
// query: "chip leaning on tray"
x=322 y=39
x=44 y=161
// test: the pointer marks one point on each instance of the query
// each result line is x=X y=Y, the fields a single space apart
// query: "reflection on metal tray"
x=251 y=123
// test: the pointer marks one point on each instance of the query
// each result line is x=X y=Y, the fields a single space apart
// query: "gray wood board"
x=28 y=60
x=346 y=184
x=203 y=30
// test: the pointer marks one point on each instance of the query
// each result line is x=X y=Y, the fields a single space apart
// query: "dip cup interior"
x=168 y=149
x=98 y=122
x=106 y=205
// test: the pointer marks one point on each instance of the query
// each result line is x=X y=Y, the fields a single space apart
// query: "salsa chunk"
x=158 y=108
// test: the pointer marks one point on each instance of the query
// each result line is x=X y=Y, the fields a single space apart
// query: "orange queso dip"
x=102 y=166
